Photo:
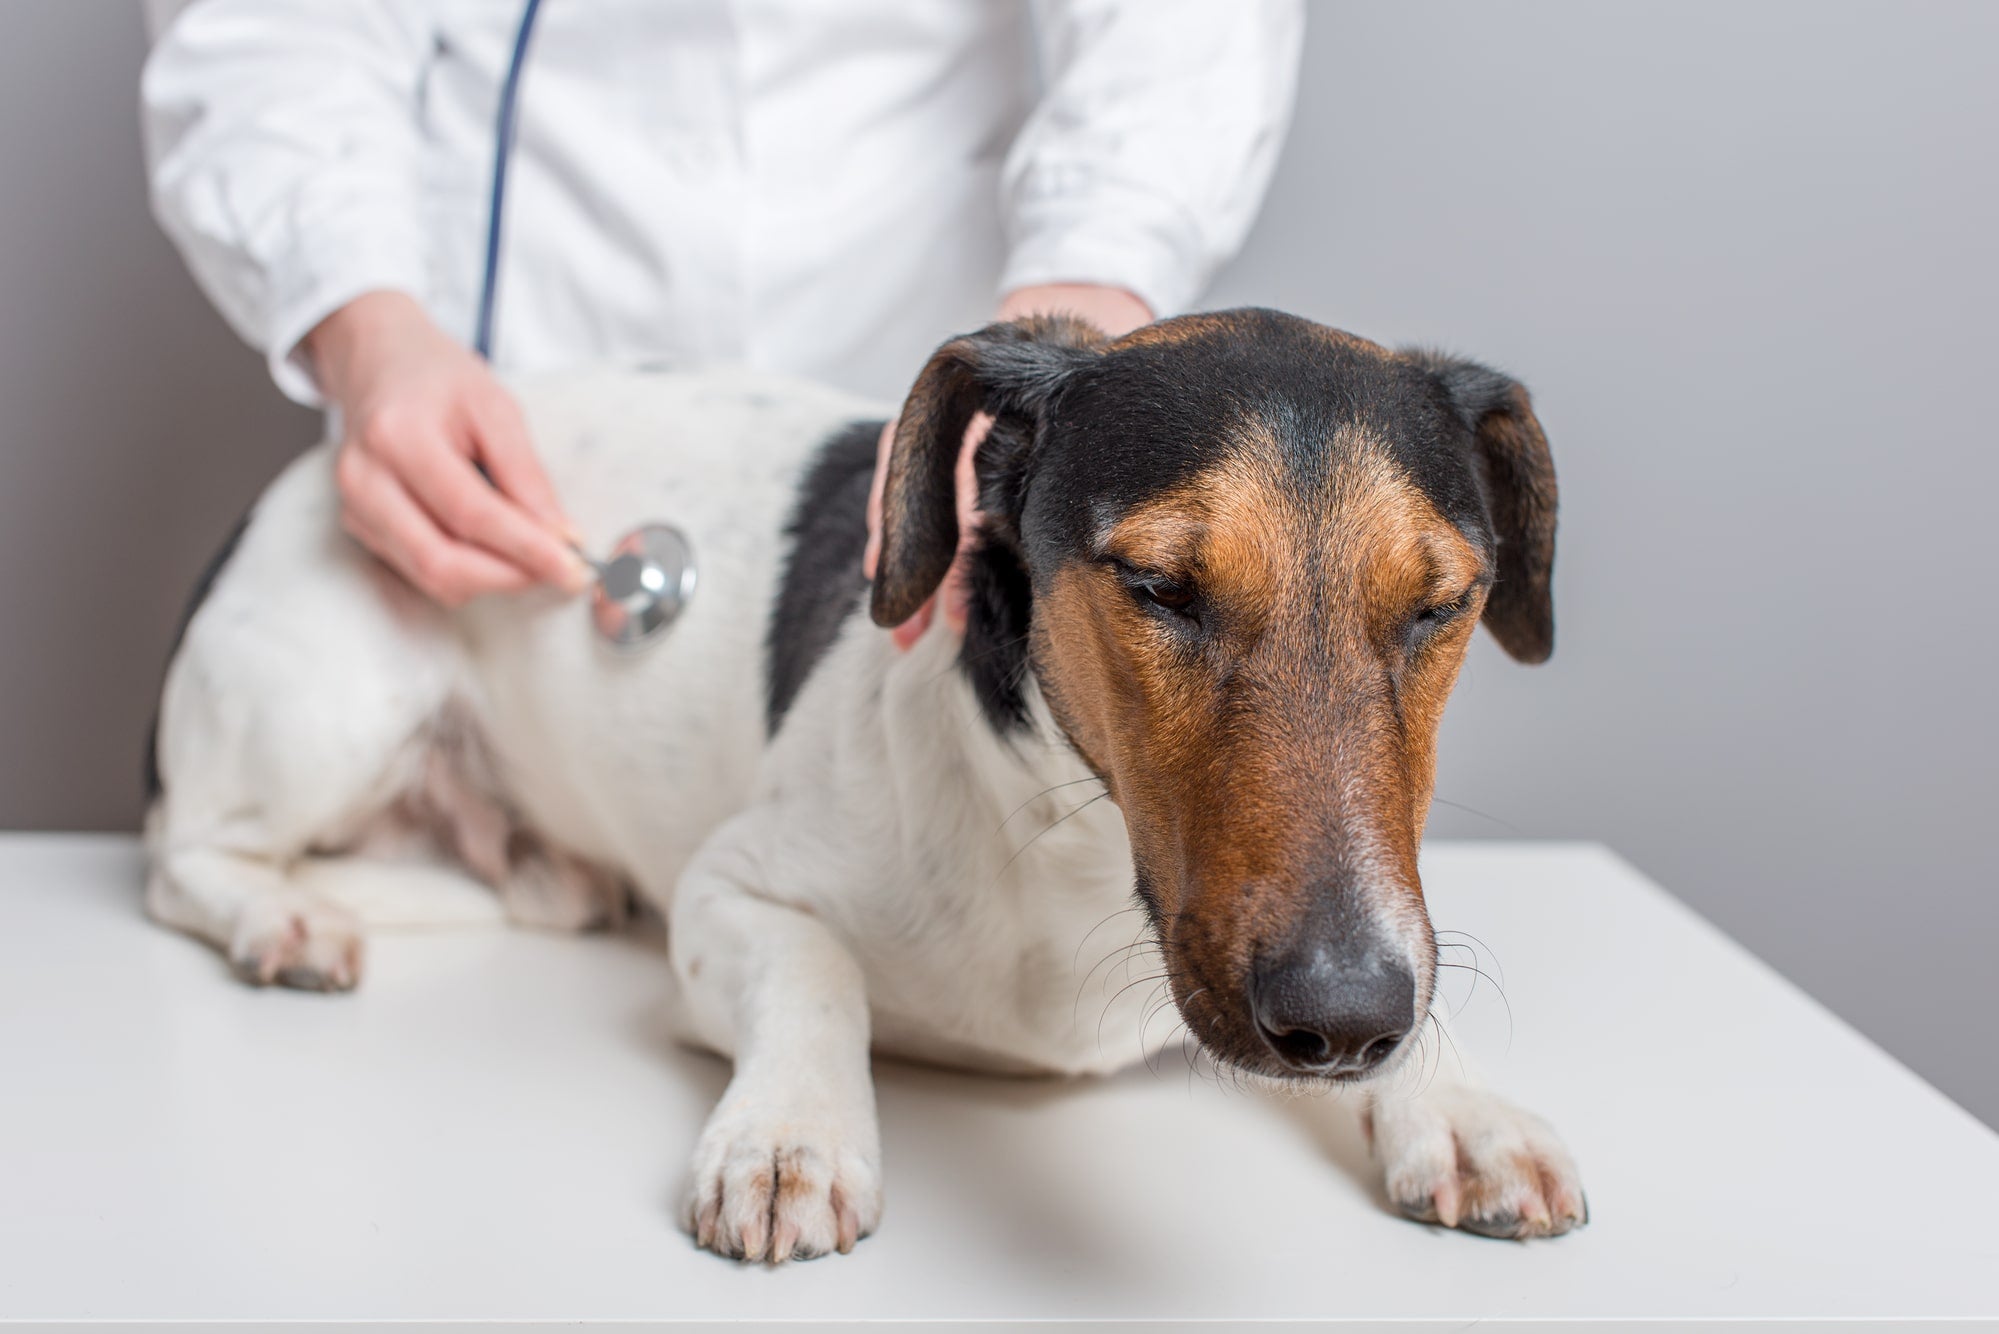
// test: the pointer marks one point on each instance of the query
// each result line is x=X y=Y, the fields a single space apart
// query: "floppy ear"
x=1519 y=479
x=1011 y=370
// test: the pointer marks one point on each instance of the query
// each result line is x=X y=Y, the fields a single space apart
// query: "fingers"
x=382 y=515
x=438 y=473
x=475 y=513
x=1115 y=310
x=871 y=554
x=503 y=445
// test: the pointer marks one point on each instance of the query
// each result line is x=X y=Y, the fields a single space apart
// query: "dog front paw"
x=297 y=940
x=776 y=1188
x=1468 y=1159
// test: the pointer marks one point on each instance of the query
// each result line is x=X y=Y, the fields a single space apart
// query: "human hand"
x=421 y=418
x=1112 y=309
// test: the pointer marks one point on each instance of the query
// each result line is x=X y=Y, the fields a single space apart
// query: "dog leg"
x=294 y=720
x=272 y=930
x=788 y=1166
x=1456 y=1153
x=551 y=890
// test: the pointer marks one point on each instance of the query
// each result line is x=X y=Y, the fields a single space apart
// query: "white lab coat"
x=825 y=187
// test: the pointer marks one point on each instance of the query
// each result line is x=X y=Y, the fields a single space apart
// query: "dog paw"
x=297 y=941
x=549 y=890
x=776 y=1189
x=1467 y=1159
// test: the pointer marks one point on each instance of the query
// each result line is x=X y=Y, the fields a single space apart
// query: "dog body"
x=860 y=848
x=322 y=720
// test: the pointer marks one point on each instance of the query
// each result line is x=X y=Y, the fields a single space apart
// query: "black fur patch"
x=1083 y=431
x=994 y=658
x=822 y=584
x=1000 y=609
x=203 y=584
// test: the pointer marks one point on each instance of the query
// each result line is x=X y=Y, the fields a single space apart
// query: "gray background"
x=1743 y=253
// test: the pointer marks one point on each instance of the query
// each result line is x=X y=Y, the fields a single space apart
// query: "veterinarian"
x=826 y=190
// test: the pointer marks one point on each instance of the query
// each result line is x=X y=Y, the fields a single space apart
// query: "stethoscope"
x=646 y=583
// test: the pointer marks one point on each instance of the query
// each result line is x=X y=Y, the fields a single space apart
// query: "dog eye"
x=1165 y=593
x=1444 y=611
x=1157 y=590
x=1439 y=614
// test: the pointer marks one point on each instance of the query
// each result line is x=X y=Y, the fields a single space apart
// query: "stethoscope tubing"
x=651 y=575
x=503 y=151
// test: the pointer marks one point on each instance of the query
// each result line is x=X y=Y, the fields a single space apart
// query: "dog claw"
x=777 y=1195
x=752 y=1240
x=848 y=1222
x=704 y=1223
x=1468 y=1160
x=299 y=942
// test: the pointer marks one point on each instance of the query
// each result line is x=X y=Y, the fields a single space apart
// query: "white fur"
x=886 y=873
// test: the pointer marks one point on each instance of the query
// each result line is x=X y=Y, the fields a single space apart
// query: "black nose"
x=1334 y=1009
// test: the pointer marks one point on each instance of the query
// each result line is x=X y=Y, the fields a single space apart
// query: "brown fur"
x=1185 y=329
x=1269 y=764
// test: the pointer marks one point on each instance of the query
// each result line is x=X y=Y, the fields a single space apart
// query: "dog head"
x=1242 y=556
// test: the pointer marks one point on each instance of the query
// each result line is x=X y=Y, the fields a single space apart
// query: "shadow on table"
x=1035 y=1165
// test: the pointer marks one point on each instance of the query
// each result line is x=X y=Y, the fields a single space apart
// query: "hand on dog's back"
x=436 y=473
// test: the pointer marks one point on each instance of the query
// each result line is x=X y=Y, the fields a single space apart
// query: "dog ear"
x=1011 y=370
x=1519 y=480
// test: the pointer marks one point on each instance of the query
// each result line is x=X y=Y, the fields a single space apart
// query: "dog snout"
x=1334 y=1009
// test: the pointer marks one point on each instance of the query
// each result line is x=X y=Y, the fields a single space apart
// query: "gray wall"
x=134 y=428
x=1743 y=254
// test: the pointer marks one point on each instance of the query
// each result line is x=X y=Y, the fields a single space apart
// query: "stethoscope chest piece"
x=644 y=586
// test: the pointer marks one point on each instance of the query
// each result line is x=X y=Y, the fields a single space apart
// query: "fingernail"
x=579 y=575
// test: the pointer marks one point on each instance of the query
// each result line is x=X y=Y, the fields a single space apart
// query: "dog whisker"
x=1154 y=1003
x=1111 y=1004
x=1481 y=953
x=1146 y=1052
x=1497 y=989
x=1046 y=829
x=1053 y=787
x=1422 y=1047
x=1200 y=1063
x=1473 y=810
x=1456 y=1055
x=1146 y=937
x=1490 y=953
x=1125 y=952
x=1077 y=957
x=1165 y=977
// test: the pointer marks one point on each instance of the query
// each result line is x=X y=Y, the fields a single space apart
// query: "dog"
x=1227 y=570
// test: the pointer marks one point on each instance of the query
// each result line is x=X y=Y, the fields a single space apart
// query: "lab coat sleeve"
x=282 y=150
x=1144 y=162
